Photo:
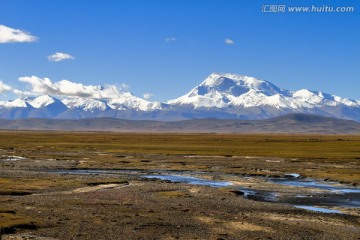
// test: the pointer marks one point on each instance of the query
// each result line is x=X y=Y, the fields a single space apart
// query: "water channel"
x=323 y=197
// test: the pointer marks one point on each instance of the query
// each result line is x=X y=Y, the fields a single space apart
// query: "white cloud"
x=229 y=41
x=124 y=86
x=21 y=93
x=147 y=95
x=4 y=87
x=10 y=35
x=57 y=57
x=68 y=88
x=170 y=39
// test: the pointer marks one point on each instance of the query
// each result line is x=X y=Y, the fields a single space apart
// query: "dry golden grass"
x=320 y=156
x=282 y=145
x=171 y=194
x=9 y=219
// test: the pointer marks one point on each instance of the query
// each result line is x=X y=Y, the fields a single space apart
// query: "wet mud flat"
x=63 y=191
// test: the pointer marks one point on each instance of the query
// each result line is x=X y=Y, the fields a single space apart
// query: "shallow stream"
x=323 y=197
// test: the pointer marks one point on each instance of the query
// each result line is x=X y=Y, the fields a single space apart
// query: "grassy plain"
x=288 y=146
x=322 y=156
x=332 y=157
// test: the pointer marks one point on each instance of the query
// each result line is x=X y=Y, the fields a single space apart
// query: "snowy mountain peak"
x=218 y=78
x=41 y=101
x=129 y=101
x=86 y=104
x=17 y=103
x=220 y=90
x=225 y=82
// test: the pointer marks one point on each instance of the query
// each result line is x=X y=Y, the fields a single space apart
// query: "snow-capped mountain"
x=41 y=101
x=223 y=90
x=221 y=95
x=85 y=104
x=229 y=90
x=129 y=101
x=251 y=98
x=17 y=103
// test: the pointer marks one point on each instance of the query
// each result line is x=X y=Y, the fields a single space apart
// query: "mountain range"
x=221 y=96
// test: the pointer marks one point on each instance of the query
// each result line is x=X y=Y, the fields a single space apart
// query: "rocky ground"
x=41 y=197
x=128 y=206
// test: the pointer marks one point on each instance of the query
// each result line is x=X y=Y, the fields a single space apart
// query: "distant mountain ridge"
x=221 y=95
x=291 y=123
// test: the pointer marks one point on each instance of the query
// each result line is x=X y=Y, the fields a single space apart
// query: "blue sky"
x=166 y=47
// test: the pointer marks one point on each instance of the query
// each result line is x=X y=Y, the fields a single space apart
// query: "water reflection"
x=191 y=180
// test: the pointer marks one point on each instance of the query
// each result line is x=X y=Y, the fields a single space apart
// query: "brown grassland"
x=330 y=157
x=280 y=145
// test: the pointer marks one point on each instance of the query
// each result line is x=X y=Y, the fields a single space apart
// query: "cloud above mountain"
x=170 y=39
x=11 y=35
x=40 y=86
x=147 y=95
x=59 y=56
x=229 y=41
x=4 y=87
